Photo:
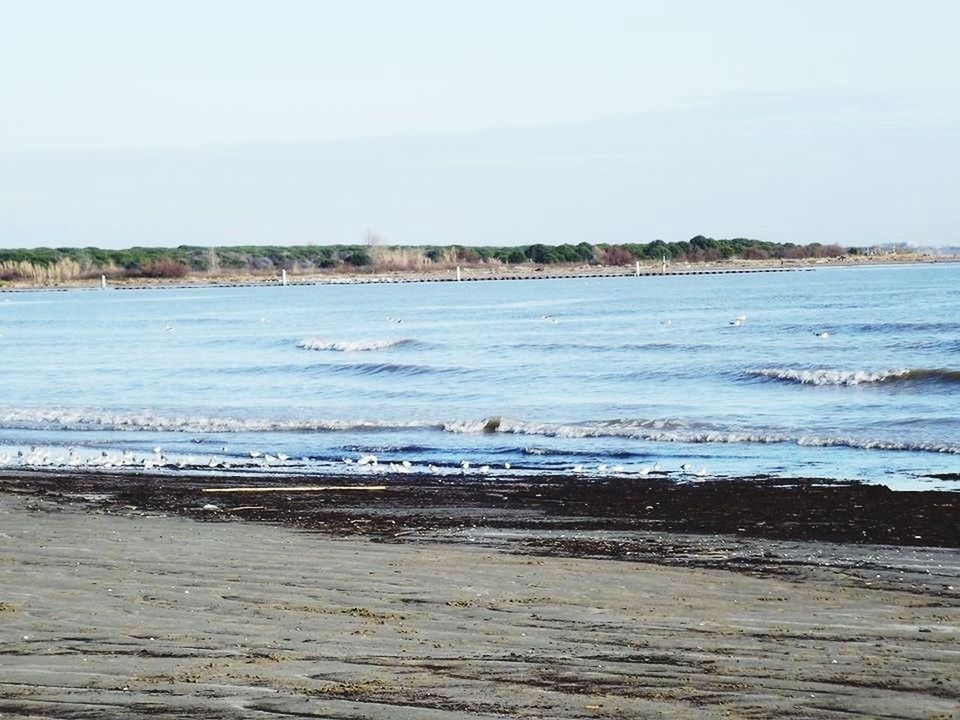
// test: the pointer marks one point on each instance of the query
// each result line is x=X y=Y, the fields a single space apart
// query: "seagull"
x=506 y=466
x=741 y=318
x=823 y=334
x=686 y=467
x=736 y=322
x=701 y=472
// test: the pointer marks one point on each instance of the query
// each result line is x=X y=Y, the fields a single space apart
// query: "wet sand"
x=123 y=597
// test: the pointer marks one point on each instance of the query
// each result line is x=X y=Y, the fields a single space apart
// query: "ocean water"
x=835 y=373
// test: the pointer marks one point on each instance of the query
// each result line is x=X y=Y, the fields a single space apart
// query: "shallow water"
x=611 y=374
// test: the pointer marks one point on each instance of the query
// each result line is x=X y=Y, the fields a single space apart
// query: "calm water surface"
x=614 y=375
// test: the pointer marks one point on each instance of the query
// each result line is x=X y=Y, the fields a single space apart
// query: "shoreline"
x=760 y=507
x=478 y=273
x=109 y=609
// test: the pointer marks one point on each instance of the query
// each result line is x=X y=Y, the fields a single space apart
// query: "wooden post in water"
x=636 y=270
x=458 y=273
x=283 y=277
x=663 y=267
x=103 y=282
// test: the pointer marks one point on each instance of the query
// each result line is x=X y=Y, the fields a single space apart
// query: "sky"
x=219 y=122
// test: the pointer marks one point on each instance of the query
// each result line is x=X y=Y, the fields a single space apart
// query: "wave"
x=857 y=377
x=675 y=431
x=649 y=430
x=907 y=327
x=315 y=343
x=612 y=428
x=84 y=420
x=392 y=369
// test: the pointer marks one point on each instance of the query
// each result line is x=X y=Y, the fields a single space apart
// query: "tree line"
x=61 y=264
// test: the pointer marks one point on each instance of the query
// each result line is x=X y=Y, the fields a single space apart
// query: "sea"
x=835 y=373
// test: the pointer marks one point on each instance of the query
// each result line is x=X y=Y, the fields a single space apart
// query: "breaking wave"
x=650 y=430
x=675 y=431
x=315 y=343
x=856 y=377
x=82 y=420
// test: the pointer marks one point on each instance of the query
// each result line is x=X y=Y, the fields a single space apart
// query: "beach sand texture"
x=139 y=615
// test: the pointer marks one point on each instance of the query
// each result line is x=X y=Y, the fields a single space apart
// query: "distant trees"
x=50 y=265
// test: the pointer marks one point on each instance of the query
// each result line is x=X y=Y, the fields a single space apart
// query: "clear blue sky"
x=232 y=121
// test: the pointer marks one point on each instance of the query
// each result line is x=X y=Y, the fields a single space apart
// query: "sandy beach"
x=115 y=609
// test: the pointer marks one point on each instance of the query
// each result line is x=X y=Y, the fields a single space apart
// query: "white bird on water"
x=823 y=334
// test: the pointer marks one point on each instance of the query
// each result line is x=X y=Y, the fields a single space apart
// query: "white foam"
x=81 y=419
x=831 y=377
x=673 y=431
x=348 y=345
